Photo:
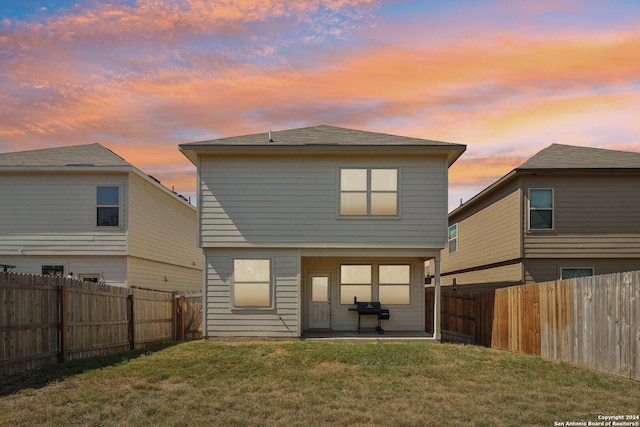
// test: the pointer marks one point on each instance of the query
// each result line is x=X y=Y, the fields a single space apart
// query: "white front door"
x=320 y=302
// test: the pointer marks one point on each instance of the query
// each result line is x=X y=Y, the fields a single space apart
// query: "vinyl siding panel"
x=281 y=321
x=55 y=213
x=293 y=201
x=492 y=233
x=596 y=216
x=503 y=274
x=112 y=268
x=159 y=275
x=162 y=228
x=544 y=270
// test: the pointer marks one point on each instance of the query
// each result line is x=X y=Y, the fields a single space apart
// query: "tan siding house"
x=567 y=211
x=83 y=210
x=295 y=224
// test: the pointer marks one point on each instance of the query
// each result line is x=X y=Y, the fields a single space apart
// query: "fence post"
x=64 y=330
x=132 y=322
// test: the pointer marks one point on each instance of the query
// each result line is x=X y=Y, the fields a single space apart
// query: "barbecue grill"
x=371 y=308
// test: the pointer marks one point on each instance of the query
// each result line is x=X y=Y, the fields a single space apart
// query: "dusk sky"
x=506 y=78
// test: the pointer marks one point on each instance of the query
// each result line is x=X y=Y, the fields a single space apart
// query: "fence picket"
x=50 y=319
x=590 y=321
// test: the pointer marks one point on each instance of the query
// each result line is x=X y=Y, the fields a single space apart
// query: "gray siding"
x=55 y=214
x=596 y=216
x=281 y=321
x=544 y=270
x=293 y=201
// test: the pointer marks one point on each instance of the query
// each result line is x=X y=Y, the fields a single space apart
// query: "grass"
x=314 y=383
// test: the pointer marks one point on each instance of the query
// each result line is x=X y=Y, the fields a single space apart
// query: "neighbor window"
x=53 y=270
x=252 y=283
x=394 y=284
x=453 y=239
x=108 y=207
x=369 y=192
x=541 y=209
x=573 y=272
x=355 y=281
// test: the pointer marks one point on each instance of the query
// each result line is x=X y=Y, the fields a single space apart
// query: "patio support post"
x=437 y=299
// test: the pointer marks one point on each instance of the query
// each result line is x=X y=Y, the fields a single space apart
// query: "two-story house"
x=295 y=224
x=566 y=212
x=87 y=212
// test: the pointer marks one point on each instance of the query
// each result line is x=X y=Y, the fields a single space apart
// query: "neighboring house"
x=83 y=210
x=297 y=223
x=566 y=212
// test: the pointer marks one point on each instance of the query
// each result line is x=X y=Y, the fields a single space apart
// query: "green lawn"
x=314 y=383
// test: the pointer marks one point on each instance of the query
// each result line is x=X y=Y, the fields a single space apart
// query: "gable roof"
x=77 y=155
x=570 y=157
x=566 y=158
x=321 y=138
x=77 y=158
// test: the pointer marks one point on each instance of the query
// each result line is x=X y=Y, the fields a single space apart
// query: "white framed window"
x=355 y=282
x=394 y=284
x=53 y=270
x=252 y=283
x=391 y=285
x=541 y=215
x=368 y=192
x=453 y=239
x=108 y=206
x=575 y=272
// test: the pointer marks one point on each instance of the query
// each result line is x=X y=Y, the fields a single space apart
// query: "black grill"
x=371 y=308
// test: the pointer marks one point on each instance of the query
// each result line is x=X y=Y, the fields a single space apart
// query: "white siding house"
x=295 y=224
x=83 y=210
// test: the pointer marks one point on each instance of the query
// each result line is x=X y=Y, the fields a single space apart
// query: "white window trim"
x=553 y=211
x=120 y=225
x=375 y=283
x=455 y=238
x=339 y=192
x=593 y=271
x=271 y=305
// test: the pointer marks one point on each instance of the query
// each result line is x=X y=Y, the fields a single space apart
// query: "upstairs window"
x=453 y=239
x=541 y=209
x=368 y=192
x=108 y=207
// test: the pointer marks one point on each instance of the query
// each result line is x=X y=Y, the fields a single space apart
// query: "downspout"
x=436 y=299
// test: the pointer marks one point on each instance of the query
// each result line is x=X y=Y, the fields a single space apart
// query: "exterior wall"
x=158 y=275
x=292 y=201
x=402 y=317
x=596 y=216
x=55 y=214
x=162 y=239
x=545 y=270
x=224 y=321
x=112 y=268
x=488 y=235
x=510 y=274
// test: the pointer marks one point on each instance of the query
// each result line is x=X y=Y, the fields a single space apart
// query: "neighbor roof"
x=559 y=156
x=321 y=137
x=77 y=158
x=567 y=158
x=77 y=155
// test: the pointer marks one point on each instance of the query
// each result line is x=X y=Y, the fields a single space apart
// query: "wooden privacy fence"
x=590 y=321
x=49 y=319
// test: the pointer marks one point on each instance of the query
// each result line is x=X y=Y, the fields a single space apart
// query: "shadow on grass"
x=41 y=377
